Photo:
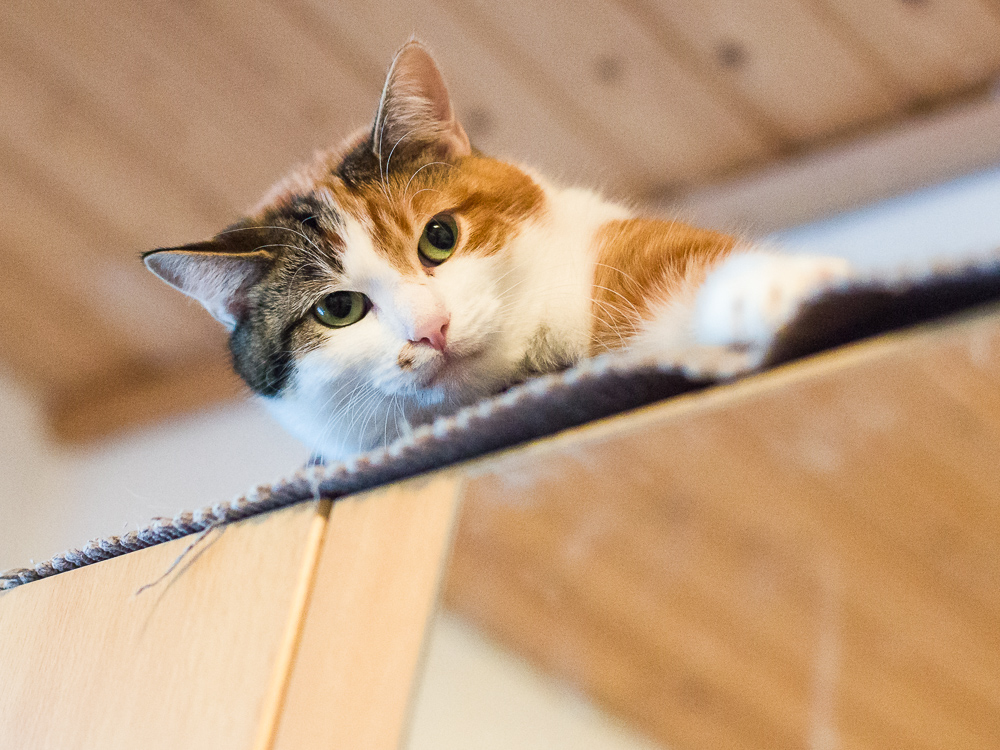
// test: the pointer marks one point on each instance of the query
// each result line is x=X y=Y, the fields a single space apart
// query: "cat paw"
x=751 y=296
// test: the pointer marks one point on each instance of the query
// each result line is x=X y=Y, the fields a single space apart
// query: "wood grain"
x=73 y=143
x=127 y=127
x=299 y=628
x=667 y=124
x=374 y=596
x=87 y=662
x=841 y=176
x=89 y=275
x=807 y=558
x=51 y=346
x=506 y=113
x=785 y=59
x=134 y=397
x=933 y=48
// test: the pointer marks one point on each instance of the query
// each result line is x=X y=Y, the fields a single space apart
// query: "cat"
x=405 y=274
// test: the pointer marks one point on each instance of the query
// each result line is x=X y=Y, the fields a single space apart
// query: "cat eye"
x=438 y=241
x=341 y=309
x=311 y=222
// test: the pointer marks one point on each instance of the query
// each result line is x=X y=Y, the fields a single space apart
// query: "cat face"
x=379 y=283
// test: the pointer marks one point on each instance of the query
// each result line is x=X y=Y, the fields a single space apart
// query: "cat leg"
x=723 y=318
x=747 y=299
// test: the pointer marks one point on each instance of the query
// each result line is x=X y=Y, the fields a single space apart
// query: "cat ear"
x=415 y=111
x=212 y=274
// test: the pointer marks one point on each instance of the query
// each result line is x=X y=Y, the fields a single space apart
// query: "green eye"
x=341 y=309
x=438 y=241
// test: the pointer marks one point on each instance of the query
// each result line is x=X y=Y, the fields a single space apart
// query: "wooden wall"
x=127 y=126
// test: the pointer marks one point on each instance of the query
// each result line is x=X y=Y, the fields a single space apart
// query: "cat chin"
x=379 y=411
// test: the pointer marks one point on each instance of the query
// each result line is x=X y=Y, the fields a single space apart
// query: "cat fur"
x=542 y=277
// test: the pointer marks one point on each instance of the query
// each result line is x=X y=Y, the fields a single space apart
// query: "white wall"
x=476 y=695
x=958 y=218
x=28 y=484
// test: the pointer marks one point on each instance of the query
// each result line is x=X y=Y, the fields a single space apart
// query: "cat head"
x=377 y=282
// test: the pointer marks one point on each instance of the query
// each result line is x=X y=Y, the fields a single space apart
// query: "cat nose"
x=432 y=331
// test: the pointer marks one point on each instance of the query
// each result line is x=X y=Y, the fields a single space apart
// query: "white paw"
x=752 y=295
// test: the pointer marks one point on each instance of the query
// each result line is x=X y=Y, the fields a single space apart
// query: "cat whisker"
x=388 y=161
x=390 y=410
x=420 y=169
x=357 y=406
x=614 y=327
x=422 y=190
x=325 y=432
x=370 y=412
x=296 y=232
x=291 y=285
x=627 y=300
x=636 y=286
x=381 y=137
x=275 y=244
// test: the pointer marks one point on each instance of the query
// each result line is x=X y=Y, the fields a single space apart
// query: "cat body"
x=404 y=275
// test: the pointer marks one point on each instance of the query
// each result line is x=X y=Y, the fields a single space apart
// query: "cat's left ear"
x=212 y=273
x=415 y=112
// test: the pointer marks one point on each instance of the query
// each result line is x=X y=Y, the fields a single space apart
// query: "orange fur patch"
x=489 y=199
x=640 y=261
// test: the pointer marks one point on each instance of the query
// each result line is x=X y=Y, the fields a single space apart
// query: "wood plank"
x=49 y=342
x=935 y=48
x=375 y=593
x=89 y=266
x=923 y=151
x=809 y=79
x=506 y=116
x=128 y=398
x=86 y=661
x=52 y=128
x=124 y=81
x=190 y=131
x=806 y=558
x=298 y=94
x=293 y=75
x=668 y=125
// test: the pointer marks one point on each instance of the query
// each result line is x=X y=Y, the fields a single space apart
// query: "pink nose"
x=432 y=331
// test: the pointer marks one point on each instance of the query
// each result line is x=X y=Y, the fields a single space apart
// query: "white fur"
x=524 y=310
x=754 y=293
x=555 y=255
x=739 y=305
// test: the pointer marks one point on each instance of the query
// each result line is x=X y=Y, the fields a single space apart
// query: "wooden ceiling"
x=126 y=126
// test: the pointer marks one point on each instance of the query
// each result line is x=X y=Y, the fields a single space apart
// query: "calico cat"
x=405 y=274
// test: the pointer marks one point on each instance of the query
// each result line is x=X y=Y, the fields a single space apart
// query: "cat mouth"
x=448 y=368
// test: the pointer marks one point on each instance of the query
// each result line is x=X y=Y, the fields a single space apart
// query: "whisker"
x=296 y=232
x=393 y=149
x=422 y=190
x=418 y=171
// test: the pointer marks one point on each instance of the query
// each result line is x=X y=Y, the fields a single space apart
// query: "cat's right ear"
x=217 y=277
x=415 y=111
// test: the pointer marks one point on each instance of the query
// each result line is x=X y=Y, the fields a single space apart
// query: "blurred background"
x=865 y=128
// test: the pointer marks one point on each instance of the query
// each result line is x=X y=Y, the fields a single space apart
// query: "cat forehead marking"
x=361 y=259
x=490 y=199
x=390 y=225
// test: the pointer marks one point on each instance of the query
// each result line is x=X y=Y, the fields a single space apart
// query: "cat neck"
x=557 y=255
